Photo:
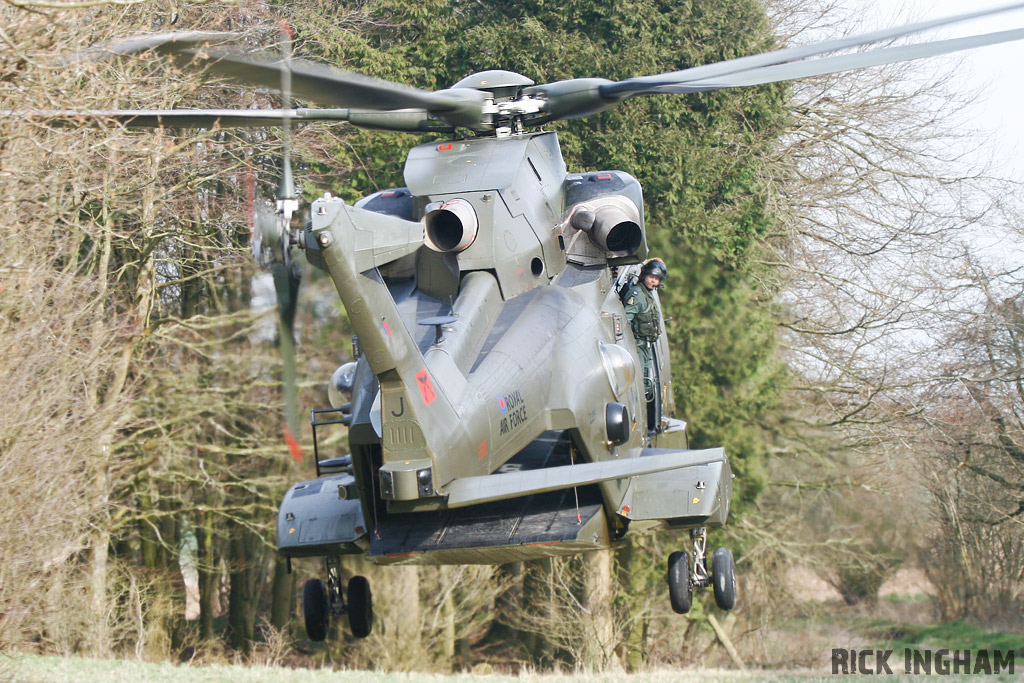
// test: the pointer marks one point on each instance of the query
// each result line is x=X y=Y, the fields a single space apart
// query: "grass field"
x=34 y=668
x=793 y=648
x=40 y=669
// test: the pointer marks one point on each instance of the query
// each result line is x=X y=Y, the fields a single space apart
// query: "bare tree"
x=976 y=436
x=144 y=236
x=882 y=190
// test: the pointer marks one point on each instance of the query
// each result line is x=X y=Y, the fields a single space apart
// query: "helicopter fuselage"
x=484 y=302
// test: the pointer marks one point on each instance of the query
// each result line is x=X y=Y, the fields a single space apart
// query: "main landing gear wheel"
x=316 y=610
x=360 y=606
x=680 y=590
x=723 y=575
x=320 y=601
x=682 y=578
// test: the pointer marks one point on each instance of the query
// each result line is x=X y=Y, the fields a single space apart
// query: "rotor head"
x=503 y=85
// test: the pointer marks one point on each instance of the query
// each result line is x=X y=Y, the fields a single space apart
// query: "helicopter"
x=496 y=408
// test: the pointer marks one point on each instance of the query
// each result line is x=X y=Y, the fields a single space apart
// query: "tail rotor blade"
x=287 y=277
x=286 y=190
x=272 y=244
x=272 y=249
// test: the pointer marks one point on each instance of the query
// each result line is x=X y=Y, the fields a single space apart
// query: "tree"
x=976 y=548
x=880 y=200
x=143 y=237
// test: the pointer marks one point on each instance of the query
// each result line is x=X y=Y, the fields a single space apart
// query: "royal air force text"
x=515 y=412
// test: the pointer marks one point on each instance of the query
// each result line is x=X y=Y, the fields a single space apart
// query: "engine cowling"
x=613 y=227
x=608 y=207
x=450 y=226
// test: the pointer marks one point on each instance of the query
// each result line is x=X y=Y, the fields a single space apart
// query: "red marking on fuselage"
x=482 y=450
x=426 y=387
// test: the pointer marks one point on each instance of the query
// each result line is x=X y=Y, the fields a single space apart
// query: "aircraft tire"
x=360 y=606
x=315 y=610
x=723 y=578
x=680 y=592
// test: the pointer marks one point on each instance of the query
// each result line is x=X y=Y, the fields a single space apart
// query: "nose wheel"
x=320 y=601
x=682 y=579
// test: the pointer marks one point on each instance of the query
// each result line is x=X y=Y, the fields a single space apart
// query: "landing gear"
x=360 y=606
x=680 y=590
x=319 y=602
x=315 y=610
x=724 y=578
x=682 y=581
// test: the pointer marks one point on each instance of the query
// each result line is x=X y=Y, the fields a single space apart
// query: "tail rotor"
x=272 y=242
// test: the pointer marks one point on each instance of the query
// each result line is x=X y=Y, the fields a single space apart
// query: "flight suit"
x=642 y=313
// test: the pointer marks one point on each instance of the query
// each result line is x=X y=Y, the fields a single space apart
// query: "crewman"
x=643 y=317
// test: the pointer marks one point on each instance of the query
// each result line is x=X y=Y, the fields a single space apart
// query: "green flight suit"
x=642 y=313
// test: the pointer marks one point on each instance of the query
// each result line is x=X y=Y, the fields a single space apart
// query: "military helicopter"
x=496 y=410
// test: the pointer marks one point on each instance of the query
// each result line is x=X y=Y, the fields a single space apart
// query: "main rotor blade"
x=161 y=43
x=827 y=65
x=716 y=72
x=314 y=82
x=181 y=118
x=325 y=84
x=400 y=119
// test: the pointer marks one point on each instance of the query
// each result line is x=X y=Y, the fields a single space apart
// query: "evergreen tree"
x=700 y=158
